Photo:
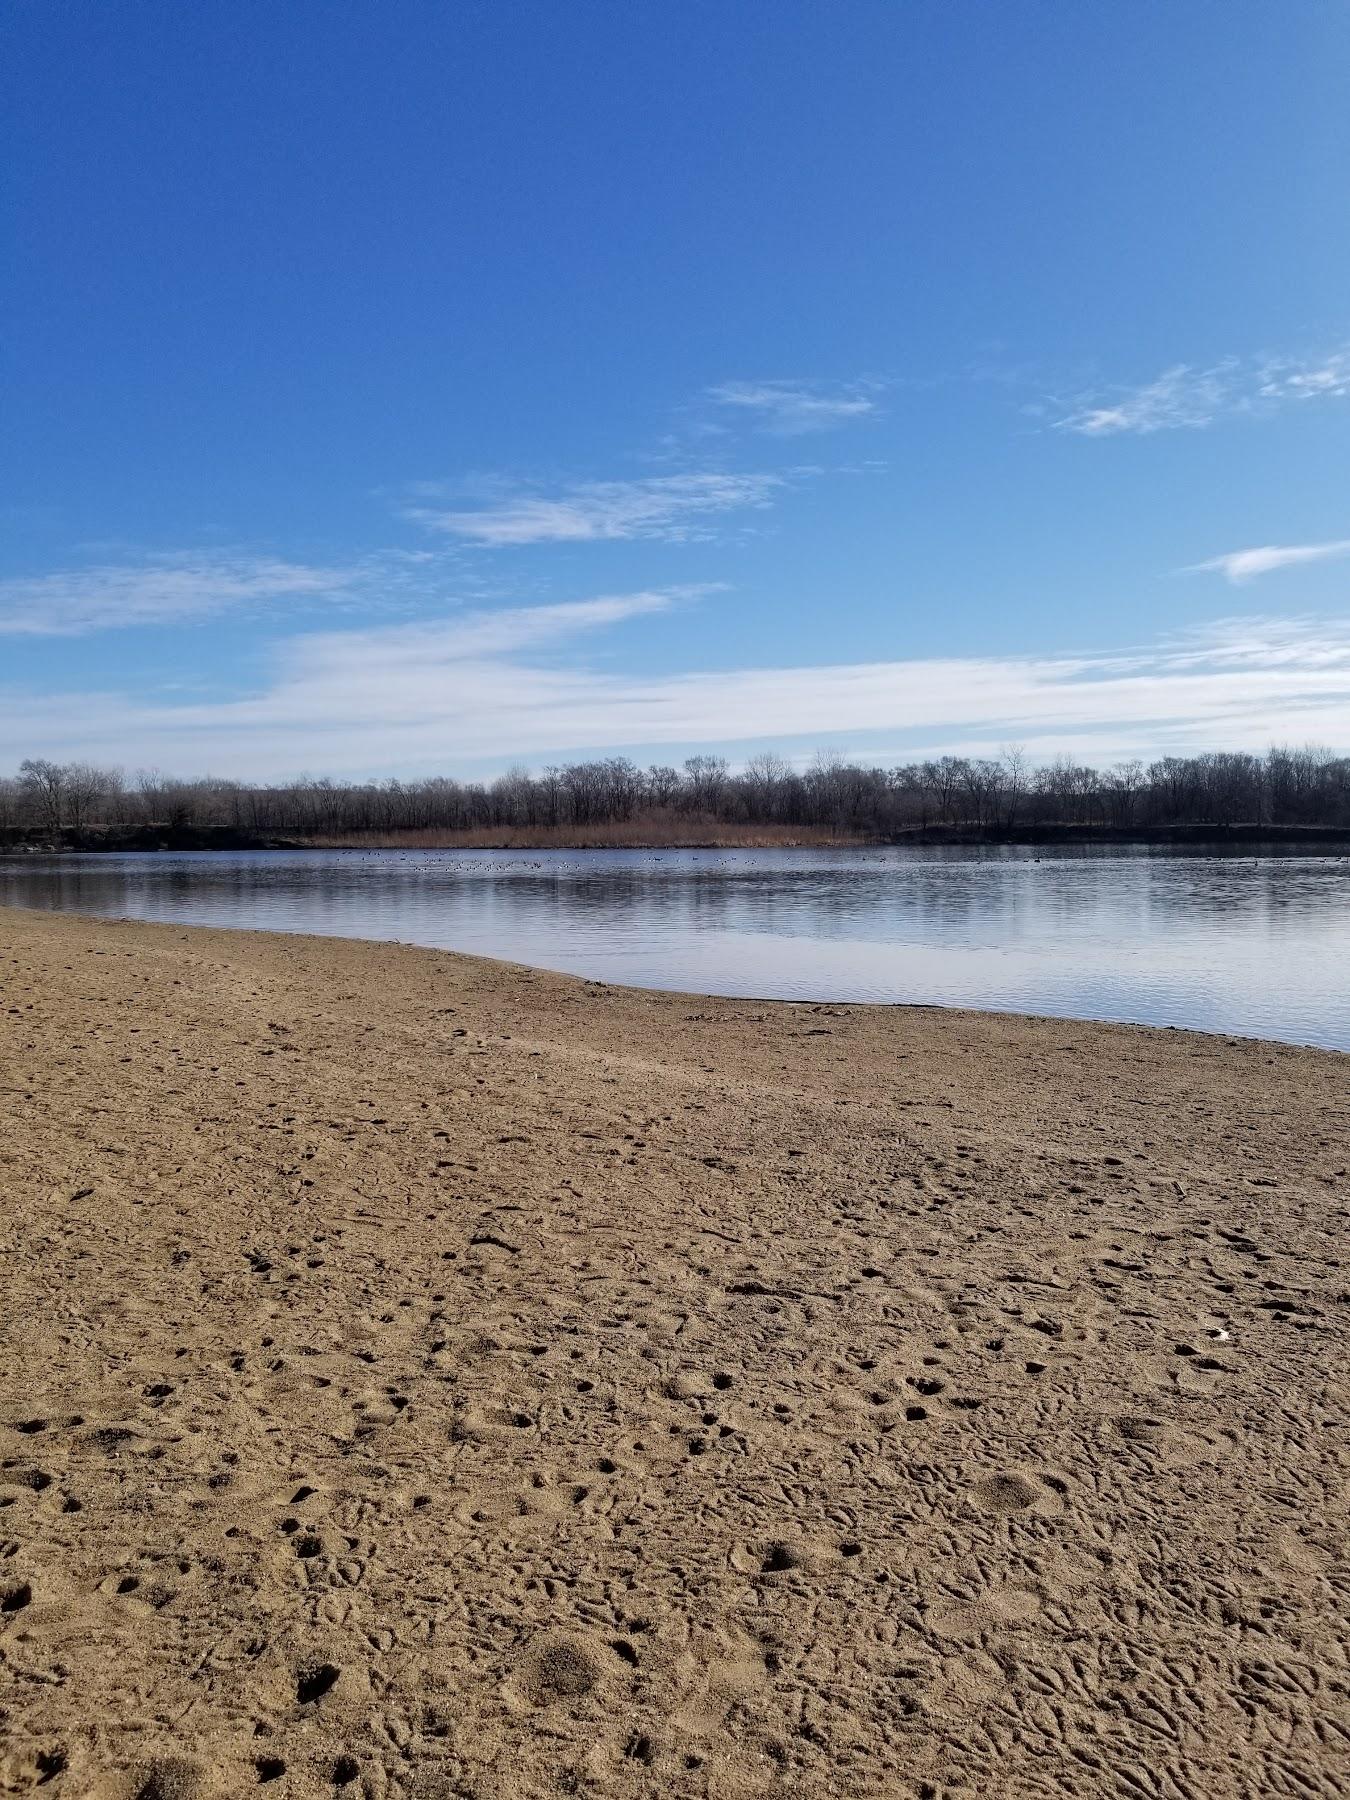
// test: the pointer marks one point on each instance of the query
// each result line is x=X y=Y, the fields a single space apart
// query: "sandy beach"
x=431 y=1377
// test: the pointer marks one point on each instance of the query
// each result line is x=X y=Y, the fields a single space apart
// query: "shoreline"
x=497 y=1378
x=692 y=996
x=151 y=838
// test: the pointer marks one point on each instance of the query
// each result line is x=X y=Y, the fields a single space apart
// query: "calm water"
x=1254 y=945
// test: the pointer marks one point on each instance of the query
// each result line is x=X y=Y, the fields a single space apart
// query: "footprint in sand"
x=15 y=1596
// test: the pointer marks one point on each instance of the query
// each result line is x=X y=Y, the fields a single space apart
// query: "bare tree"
x=44 y=788
x=85 y=786
x=1016 y=772
x=663 y=784
x=765 y=775
x=551 y=788
x=706 y=777
x=945 y=778
x=1123 y=785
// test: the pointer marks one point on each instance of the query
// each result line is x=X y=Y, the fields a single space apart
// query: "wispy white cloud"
x=157 y=591
x=793 y=408
x=473 y=636
x=674 y=508
x=1245 y=565
x=489 y=687
x=1180 y=397
x=1325 y=378
x=1185 y=397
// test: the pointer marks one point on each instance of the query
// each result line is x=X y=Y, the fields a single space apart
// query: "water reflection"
x=1253 y=944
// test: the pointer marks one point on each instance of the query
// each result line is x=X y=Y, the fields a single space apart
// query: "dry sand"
x=427 y=1377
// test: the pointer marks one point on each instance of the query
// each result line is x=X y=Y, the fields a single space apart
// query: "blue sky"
x=394 y=389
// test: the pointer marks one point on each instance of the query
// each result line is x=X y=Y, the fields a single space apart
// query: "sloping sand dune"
x=427 y=1377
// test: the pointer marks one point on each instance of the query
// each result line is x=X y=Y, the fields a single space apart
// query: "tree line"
x=1284 y=787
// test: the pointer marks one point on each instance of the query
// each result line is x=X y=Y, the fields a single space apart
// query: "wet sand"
x=424 y=1376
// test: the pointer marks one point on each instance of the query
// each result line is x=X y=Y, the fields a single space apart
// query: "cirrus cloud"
x=793 y=408
x=1264 y=559
x=1185 y=397
x=167 y=589
x=672 y=508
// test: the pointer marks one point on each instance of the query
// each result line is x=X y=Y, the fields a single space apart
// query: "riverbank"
x=425 y=1376
x=691 y=834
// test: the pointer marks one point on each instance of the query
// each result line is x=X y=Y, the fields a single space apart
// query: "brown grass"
x=648 y=831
